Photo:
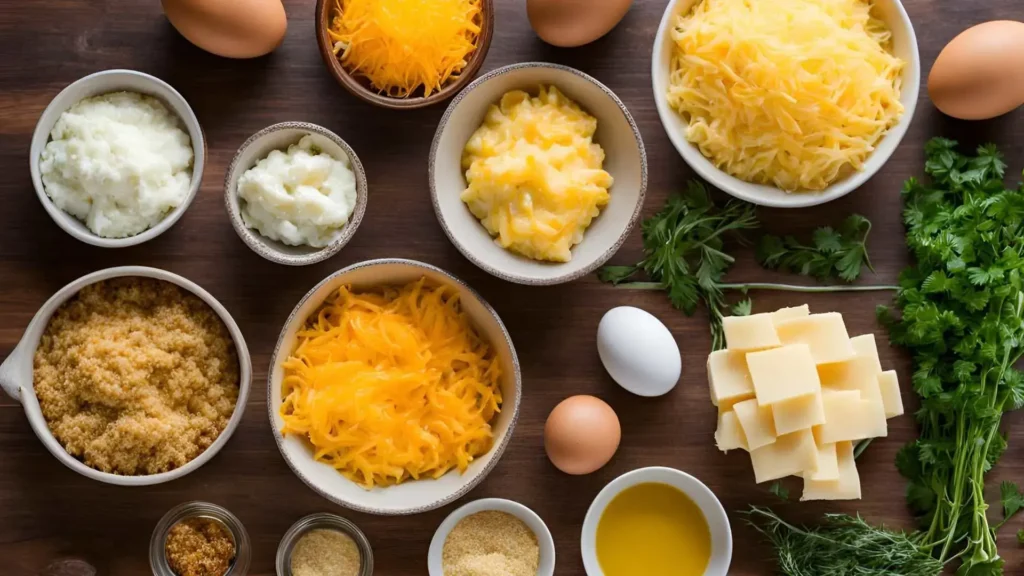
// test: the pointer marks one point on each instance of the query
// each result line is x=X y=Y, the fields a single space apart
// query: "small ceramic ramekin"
x=326 y=521
x=702 y=496
x=106 y=82
x=544 y=540
x=157 y=543
x=16 y=374
x=280 y=137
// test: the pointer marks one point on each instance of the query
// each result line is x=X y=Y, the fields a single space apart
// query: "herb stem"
x=745 y=286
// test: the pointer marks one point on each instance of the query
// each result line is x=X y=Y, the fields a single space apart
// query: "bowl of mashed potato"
x=295 y=192
x=117 y=157
x=537 y=173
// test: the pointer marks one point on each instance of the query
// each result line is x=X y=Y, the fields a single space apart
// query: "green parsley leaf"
x=1012 y=499
x=1020 y=536
x=779 y=490
x=743 y=307
x=831 y=254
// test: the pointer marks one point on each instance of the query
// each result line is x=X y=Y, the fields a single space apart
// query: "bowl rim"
x=496 y=451
x=521 y=278
x=545 y=541
x=17 y=368
x=759 y=193
x=641 y=476
x=357 y=89
x=250 y=236
x=188 y=122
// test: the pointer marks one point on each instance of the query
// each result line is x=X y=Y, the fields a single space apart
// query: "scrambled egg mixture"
x=534 y=174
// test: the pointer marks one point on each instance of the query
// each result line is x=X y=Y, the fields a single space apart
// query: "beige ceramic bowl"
x=104 y=83
x=625 y=160
x=16 y=374
x=280 y=137
x=904 y=46
x=413 y=496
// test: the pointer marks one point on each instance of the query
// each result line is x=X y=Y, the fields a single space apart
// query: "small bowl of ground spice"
x=492 y=537
x=199 y=539
x=324 y=545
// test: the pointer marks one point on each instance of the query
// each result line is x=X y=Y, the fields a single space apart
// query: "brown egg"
x=569 y=23
x=581 y=435
x=229 y=28
x=980 y=73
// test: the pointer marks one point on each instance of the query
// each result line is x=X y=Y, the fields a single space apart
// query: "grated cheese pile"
x=789 y=93
x=392 y=385
x=403 y=45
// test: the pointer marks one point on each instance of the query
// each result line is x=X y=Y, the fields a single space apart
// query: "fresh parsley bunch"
x=961 y=315
x=832 y=253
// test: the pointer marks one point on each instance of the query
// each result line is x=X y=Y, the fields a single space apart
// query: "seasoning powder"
x=199 y=547
x=325 y=552
x=490 y=543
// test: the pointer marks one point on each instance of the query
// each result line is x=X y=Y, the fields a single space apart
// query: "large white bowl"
x=546 y=544
x=625 y=160
x=104 y=83
x=16 y=375
x=702 y=496
x=904 y=46
x=413 y=496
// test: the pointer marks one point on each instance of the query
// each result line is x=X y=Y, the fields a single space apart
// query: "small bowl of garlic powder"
x=117 y=157
x=492 y=537
x=324 y=545
x=295 y=192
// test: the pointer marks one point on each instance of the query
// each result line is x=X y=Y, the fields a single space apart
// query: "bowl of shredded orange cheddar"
x=394 y=388
x=404 y=54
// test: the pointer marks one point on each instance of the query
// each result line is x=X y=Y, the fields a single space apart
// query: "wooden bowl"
x=361 y=88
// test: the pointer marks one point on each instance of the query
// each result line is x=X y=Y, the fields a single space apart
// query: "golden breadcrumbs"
x=325 y=552
x=199 y=547
x=490 y=543
x=136 y=376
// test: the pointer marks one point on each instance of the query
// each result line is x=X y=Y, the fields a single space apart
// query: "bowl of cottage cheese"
x=296 y=193
x=117 y=157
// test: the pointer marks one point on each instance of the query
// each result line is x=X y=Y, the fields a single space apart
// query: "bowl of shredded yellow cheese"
x=787 y=103
x=394 y=388
x=404 y=54
x=537 y=173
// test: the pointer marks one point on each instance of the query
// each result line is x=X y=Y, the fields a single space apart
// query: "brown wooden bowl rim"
x=356 y=88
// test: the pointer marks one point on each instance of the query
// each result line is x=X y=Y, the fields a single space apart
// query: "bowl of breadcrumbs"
x=131 y=375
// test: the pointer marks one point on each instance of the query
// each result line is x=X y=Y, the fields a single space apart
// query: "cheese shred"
x=401 y=46
x=789 y=93
x=392 y=384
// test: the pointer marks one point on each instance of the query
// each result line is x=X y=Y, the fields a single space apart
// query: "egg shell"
x=570 y=23
x=980 y=73
x=229 y=28
x=638 y=351
x=581 y=434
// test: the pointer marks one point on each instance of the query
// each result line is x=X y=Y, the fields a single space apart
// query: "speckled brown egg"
x=569 y=23
x=581 y=435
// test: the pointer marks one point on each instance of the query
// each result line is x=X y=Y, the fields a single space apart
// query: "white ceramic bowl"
x=625 y=160
x=904 y=46
x=544 y=540
x=718 y=521
x=413 y=496
x=16 y=375
x=280 y=137
x=103 y=83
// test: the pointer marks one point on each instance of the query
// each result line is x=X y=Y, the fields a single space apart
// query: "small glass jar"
x=157 y=544
x=329 y=522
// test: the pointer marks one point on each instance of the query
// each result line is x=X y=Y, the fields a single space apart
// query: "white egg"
x=638 y=351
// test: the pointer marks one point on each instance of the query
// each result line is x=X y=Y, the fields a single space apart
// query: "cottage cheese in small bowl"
x=302 y=196
x=120 y=162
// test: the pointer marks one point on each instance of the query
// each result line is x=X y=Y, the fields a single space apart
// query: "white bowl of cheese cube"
x=797 y=392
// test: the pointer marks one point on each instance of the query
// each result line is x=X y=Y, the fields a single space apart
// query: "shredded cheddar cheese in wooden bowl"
x=406 y=47
x=392 y=384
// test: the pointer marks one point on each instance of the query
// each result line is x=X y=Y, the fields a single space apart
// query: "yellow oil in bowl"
x=653 y=529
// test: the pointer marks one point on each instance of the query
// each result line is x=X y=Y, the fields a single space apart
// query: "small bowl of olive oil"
x=656 y=521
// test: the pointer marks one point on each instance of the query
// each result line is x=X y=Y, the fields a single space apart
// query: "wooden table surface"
x=49 y=512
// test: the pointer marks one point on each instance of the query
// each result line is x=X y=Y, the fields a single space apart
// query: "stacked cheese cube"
x=794 y=390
